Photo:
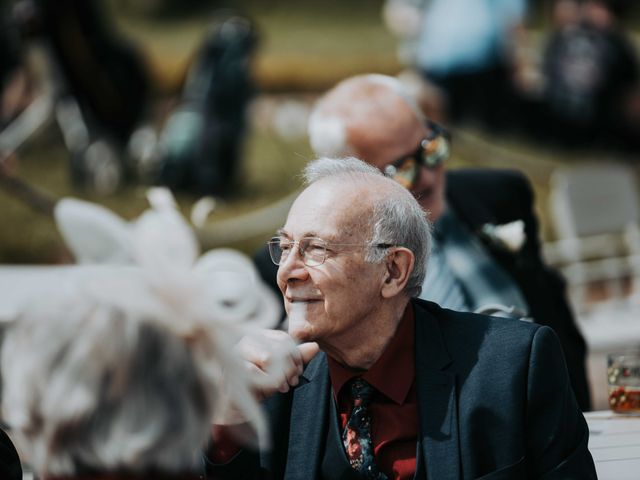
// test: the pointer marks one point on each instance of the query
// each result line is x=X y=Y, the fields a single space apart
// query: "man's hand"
x=274 y=361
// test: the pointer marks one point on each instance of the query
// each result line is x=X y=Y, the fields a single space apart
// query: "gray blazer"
x=495 y=403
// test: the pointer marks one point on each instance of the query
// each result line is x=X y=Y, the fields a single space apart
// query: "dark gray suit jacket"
x=495 y=403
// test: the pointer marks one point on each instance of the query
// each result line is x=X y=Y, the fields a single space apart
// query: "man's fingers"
x=266 y=384
x=294 y=368
x=303 y=354
x=274 y=360
x=308 y=351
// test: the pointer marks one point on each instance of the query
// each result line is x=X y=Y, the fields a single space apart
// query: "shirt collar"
x=394 y=372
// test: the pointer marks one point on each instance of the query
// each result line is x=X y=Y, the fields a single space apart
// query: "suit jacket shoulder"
x=510 y=406
x=489 y=195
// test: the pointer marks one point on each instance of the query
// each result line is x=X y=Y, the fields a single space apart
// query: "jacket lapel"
x=437 y=400
x=308 y=420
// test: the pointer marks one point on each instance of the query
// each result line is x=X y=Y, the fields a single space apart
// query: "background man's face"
x=331 y=300
x=381 y=146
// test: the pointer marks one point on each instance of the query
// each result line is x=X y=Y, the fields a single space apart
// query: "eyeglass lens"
x=405 y=173
x=312 y=250
x=430 y=153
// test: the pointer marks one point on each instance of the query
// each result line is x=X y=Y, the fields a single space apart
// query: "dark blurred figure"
x=590 y=70
x=200 y=147
x=104 y=71
x=100 y=84
x=12 y=75
x=466 y=48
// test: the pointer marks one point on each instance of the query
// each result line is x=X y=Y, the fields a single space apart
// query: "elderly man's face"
x=383 y=145
x=331 y=300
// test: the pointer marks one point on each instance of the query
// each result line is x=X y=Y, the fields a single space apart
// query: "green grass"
x=302 y=45
x=268 y=172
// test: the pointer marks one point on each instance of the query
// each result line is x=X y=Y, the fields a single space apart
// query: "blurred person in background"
x=401 y=388
x=200 y=146
x=486 y=250
x=465 y=48
x=591 y=91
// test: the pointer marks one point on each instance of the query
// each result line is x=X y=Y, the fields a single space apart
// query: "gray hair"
x=327 y=129
x=89 y=386
x=396 y=219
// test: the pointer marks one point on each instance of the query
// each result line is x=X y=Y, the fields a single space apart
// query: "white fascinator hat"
x=151 y=269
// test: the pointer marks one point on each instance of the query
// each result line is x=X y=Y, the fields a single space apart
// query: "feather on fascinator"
x=151 y=269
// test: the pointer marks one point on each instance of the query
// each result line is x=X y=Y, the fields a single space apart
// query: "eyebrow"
x=281 y=232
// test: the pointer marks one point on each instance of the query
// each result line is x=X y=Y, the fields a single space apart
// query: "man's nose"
x=425 y=178
x=292 y=267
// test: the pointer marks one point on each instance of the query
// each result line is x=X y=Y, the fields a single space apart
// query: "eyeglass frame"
x=421 y=156
x=276 y=241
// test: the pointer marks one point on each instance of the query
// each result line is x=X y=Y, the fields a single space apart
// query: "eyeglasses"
x=432 y=151
x=312 y=250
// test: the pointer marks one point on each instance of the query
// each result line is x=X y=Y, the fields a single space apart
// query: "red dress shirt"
x=394 y=408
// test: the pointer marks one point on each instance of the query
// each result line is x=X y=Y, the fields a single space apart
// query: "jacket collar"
x=309 y=420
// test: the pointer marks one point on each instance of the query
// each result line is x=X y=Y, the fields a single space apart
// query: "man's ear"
x=399 y=264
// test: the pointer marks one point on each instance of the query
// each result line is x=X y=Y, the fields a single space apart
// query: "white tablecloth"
x=614 y=442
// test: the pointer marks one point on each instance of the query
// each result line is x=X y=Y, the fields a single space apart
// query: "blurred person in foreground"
x=486 y=251
x=115 y=371
x=402 y=388
x=92 y=392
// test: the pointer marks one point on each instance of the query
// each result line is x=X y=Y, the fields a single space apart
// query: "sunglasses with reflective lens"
x=432 y=151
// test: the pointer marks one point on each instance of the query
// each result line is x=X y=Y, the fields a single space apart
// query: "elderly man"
x=472 y=269
x=402 y=388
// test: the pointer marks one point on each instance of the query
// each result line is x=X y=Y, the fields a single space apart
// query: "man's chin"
x=301 y=332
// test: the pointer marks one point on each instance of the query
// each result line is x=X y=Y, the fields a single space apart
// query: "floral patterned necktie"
x=356 y=437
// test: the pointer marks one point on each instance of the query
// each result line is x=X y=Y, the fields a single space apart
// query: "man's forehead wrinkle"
x=309 y=223
x=355 y=231
x=316 y=212
x=356 y=221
